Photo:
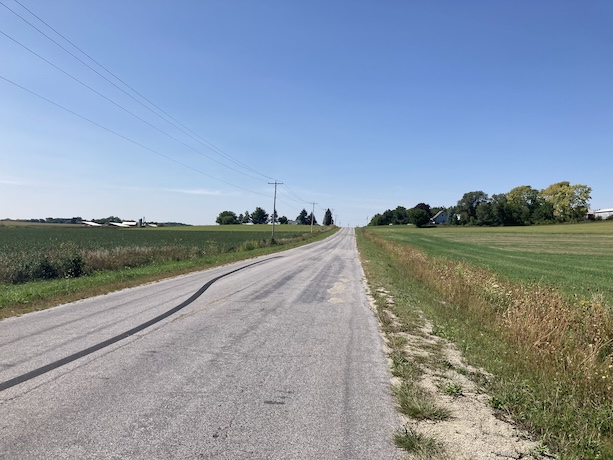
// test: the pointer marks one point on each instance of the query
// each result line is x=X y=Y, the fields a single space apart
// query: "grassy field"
x=533 y=306
x=42 y=265
x=575 y=258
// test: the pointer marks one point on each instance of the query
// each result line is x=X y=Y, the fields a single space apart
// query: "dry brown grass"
x=560 y=337
x=564 y=345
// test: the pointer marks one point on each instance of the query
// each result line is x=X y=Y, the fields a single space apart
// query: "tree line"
x=419 y=215
x=260 y=216
x=524 y=205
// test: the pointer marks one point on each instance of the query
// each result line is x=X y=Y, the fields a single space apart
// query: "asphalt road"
x=278 y=360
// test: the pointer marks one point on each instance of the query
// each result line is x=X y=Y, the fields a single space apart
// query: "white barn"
x=601 y=213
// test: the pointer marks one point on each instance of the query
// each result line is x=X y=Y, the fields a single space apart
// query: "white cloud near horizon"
x=196 y=191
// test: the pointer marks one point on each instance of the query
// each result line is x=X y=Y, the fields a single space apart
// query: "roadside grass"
x=422 y=447
x=415 y=402
x=550 y=352
x=395 y=302
x=115 y=268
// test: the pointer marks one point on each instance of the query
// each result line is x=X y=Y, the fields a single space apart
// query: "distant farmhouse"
x=439 y=218
x=600 y=214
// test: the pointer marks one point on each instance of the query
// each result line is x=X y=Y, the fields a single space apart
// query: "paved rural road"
x=278 y=360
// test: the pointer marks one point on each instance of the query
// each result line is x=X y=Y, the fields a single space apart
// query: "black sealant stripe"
x=68 y=359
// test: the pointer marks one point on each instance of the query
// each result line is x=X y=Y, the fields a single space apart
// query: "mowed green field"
x=578 y=259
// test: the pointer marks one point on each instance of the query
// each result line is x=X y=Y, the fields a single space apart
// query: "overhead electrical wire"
x=122 y=107
x=181 y=128
x=297 y=198
x=125 y=137
x=165 y=117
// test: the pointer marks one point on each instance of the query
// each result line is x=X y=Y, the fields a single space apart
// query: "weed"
x=453 y=389
x=417 y=443
x=417 y=404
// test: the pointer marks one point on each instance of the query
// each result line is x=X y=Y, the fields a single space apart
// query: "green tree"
x=376 y=220
x=283 y=220
x=467 y=206
x=484 y=214
x=227 y=218
x=246 y=218
x=418 y=217
x=302 y=218
x=311 y=219
x=382 y=219
x=523 y=201
x=106 y=220
x=425 y=207
x=570 y=202
x=259 y=216
x=543 y=213
x=400 y=216
x=328 y=218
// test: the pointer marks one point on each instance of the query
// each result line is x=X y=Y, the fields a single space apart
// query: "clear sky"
x=358 y=106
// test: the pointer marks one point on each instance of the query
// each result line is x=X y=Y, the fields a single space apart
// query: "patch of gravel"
x=473 y=432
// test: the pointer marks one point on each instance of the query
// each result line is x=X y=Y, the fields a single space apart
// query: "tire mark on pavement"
x=80 y=354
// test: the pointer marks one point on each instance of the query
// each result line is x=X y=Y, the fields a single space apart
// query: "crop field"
x=31 y=252
x=578 y=259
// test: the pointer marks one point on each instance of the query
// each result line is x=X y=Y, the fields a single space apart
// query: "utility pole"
x=274 y=208
x=312 y=216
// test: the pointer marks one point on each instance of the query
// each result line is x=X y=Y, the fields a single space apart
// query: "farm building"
x=439 y=218
x=600 y=214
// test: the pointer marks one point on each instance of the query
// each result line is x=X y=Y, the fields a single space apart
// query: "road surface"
x=273 y=358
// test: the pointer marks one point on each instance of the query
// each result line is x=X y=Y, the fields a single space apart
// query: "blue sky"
x=358 y=106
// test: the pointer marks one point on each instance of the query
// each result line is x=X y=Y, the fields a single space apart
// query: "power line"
x=165 y=117
x=125 y=137
x=294 y=195
x=122 y=107
x=193 y=135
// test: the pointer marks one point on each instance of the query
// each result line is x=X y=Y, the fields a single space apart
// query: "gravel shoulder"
x=473 y=430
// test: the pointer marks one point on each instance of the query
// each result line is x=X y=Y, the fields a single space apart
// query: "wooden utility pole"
x=274 y=208
x=312 y=216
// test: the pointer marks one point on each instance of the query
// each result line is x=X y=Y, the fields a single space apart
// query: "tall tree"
x=425 y=207
x=523 y=201
x=400 y=216
x=570 y=202
x=418 y=217
x=227 y=218
x=302 y=218
x=377 y=219
x=246 y=218
x=328 y=217
x=311 y=219
x=259 y=216
x=467 y=206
